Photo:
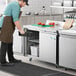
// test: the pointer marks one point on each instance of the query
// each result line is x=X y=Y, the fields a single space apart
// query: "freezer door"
x=67 y=52
x=47 y=47
x=17 y=42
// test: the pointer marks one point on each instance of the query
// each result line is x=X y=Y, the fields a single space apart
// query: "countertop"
x=38 y=28
x=71 y=31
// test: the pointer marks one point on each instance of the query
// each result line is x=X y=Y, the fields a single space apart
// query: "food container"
x=34 y=51
x=28 y=13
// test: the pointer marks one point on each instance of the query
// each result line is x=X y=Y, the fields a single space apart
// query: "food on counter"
x=52 y=23
x=68 y=24
x=39 y=23
x=43 y=24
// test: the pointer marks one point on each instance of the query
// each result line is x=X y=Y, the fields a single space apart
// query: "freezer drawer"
x=67 y=51
x=47 y=47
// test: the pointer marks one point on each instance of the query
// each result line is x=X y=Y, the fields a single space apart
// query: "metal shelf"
x=35 y=41
x=61 y=7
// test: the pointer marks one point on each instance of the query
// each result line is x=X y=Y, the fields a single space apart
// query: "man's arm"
x=15 y=16
x=19 y=27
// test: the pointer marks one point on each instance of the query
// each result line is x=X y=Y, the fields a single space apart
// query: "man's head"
x=22 y=3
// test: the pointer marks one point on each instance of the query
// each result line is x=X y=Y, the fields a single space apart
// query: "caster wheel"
x=30 y=59
x=66 y=69
x=57 y=66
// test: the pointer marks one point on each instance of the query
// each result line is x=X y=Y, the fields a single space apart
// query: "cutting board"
x=42 y=25
x=68 y=24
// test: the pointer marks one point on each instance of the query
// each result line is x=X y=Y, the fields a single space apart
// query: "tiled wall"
x=36 y=6
x=2 y=6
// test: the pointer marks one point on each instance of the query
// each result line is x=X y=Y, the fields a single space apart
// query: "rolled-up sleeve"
x=15 y=13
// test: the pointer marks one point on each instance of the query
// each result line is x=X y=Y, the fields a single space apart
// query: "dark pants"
x=6 y=47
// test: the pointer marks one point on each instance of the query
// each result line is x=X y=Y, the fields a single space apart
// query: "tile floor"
x=37 y=62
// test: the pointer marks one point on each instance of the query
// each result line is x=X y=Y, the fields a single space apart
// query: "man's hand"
x=22 y=31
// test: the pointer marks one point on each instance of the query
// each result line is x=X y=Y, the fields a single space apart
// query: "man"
x=9 y=20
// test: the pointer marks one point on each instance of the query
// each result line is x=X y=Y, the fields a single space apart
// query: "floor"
x=37 y=62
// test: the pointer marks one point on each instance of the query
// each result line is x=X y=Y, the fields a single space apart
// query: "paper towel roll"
x=68 y=3
x=56 y=4
x=74 y=3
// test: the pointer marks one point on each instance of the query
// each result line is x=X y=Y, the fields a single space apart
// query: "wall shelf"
x=62 y=7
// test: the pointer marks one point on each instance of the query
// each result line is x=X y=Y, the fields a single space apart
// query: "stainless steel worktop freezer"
x=48 y=39
x=67 y=48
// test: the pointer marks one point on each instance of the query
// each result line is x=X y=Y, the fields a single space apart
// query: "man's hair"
x=24 y=1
